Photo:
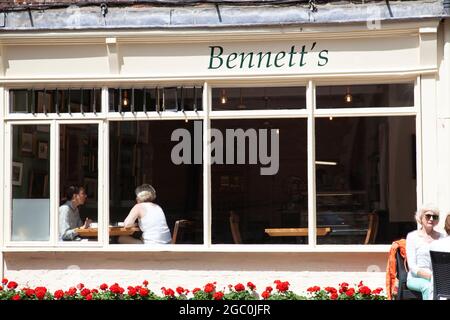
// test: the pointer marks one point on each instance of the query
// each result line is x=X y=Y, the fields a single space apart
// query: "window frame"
x=104 y=116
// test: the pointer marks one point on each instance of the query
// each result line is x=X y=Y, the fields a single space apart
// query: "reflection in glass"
x=141 y=153
x=30 y=183
x=245 y=202
x=365 y=165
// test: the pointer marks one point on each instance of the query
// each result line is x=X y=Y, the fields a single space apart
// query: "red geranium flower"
x=218 y=295
x=180 y=290
x=251 y=286
x=377 y=291
x=89 y=297
x=59 y=294
x=283 y=286
x=143 y=292
x=103 y=286
x=16 y=297
x=269 y=289
x=12 y=285
x=132 y=291
x=365 y=290
x=239 y=287
x=313 y=289
x=4 y=281
x=350 y=292
x=72 y=291
x=195 y=290
x=145 y=283
x=85 y=292
x=209 y=287
x=265 y=294
x=29 y=292
x=334 y=296
x=80 y=286
x=40 y=292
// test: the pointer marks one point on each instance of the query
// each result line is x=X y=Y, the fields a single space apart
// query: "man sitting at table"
x=151 y=219
x=69 y=216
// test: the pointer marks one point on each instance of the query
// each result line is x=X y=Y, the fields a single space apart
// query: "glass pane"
x=78 y=180
x=365 y=166
x=51 y=101
x=156 y=99
x=30 y=183
x=259 y=98
x=259 y=182
x=141 y=153
x=365 y=96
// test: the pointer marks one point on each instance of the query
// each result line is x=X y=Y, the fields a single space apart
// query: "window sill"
x=205 y=249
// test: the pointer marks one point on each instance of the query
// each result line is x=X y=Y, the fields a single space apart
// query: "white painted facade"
x=417 y=51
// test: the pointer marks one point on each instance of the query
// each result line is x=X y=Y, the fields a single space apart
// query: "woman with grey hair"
x=418 y=251
x=150 y=216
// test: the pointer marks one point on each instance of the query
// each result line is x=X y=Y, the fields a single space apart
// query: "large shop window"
x=78 y=147
x=30 y=177
x=141 y=152
x=259 y=180
x=259 y=98
x=366 y=178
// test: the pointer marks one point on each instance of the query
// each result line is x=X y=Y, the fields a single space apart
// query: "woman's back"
x=154 y=225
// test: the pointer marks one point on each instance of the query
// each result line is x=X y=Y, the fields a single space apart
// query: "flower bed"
x=9 y=291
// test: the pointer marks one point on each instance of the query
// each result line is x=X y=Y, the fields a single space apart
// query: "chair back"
x=440 y=262
x=234 y=226
x=180 y=230
x=403 y=293
x=372 y=228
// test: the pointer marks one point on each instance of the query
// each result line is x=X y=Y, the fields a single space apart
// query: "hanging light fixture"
x=223 y=97
x=125 y=98
x=348 y=97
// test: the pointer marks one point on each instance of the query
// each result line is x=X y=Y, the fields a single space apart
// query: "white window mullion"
x=3 y=105
x=207 y=210
x=7 y=185
x=54 y=181
x=310 y=105
x=418 y=106
x=103 y=172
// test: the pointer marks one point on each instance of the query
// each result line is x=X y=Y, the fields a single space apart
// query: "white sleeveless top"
x=154 y=225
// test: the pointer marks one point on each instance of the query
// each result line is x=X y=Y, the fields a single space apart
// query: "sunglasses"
x=428 y=216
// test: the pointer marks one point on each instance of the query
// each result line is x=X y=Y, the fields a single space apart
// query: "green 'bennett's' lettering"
x=244 y=56
x=277 y=57
x=231 y=57
x=323 y=58
x=261 y=57
x=212 y=57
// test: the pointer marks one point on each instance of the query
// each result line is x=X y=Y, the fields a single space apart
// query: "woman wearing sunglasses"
x=418 y=251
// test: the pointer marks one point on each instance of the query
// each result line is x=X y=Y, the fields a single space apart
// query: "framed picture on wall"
x=26 y=144
x=43 y=150
x=17 y=173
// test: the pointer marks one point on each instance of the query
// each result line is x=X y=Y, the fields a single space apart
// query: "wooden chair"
x=372 y=228
x=181 y=230
x=234 y=226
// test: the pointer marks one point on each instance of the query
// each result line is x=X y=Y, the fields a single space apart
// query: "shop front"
x=292 y=154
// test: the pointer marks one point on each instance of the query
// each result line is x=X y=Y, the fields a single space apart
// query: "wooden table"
x=295 y=232
x=113 y=231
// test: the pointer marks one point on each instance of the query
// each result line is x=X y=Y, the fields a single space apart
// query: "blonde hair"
x=425 y=208
x=145 y=193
